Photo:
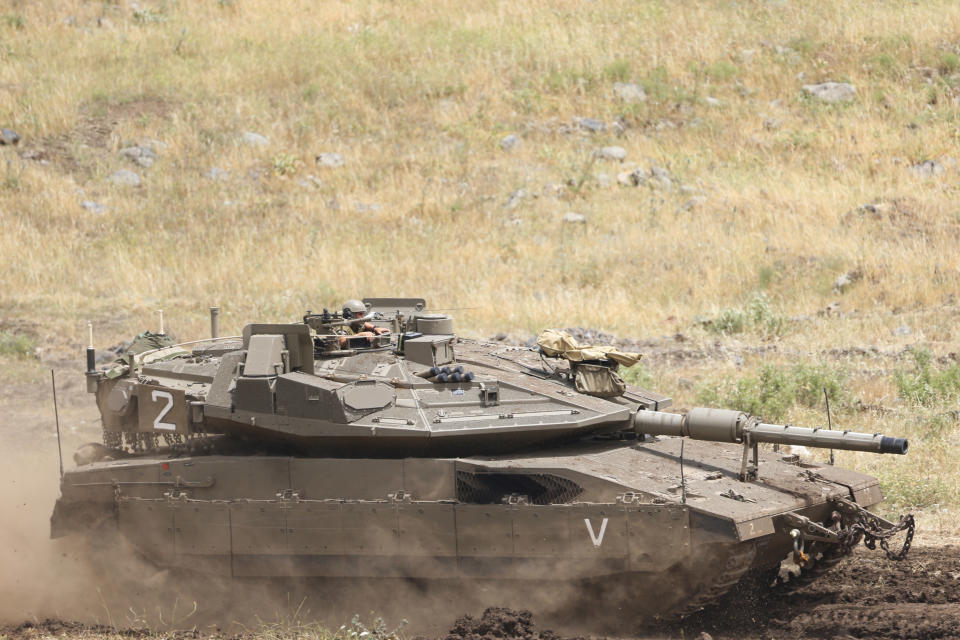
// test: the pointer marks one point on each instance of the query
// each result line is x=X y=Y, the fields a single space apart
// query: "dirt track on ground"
x=866 y=596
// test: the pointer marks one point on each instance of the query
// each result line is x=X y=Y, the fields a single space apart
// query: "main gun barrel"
x=724 y=425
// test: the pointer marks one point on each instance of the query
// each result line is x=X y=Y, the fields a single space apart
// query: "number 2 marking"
x=168 y=426
x=597 y=540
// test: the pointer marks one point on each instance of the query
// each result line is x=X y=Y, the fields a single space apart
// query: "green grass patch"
x=617 y=71
x=924 y=384
x=639 y=376
x=949 y=62
x=903 y=490
x=775 y=390
x=16 y=345
x=756 y=316
x=721 y=70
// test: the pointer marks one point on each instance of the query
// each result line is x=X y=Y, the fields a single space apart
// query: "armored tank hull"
x=284 y=459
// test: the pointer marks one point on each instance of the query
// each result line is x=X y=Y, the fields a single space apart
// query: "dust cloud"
x=105 y=582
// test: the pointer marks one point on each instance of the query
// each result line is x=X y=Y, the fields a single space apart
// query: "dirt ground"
x=864 y=597
x=45 y=592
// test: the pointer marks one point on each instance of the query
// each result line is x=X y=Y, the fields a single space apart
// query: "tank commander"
x=354 y=311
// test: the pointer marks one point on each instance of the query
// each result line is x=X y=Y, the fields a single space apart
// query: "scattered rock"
x=876 y=208
x=619 y=154
x=38 y=155
x=363 y=207
x=513 y=222
x=574 y=218
x=847 y=279
x=831 y=91
x=142 y=155
x=591 y=125
x=712 y=102
x=125 y=178
x=216 y=173
x=772 y=124
x=633 y=178
x=331 y=160
x=660 y=178
x=603 y=180
x=747 y=55
x=333 y=204
x=93 y=207
x=629 y=92
x=903 y=330
x=693 y=203
x=554 y=189
x=8 y=137
x=255 y=139
x=310 y=181
x=841 y=283
x=928 y=169
x=685 y=383
x=659 y=172
x=509 y=143
x=515 y=198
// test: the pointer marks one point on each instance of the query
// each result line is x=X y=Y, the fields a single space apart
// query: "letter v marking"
x=597 y=540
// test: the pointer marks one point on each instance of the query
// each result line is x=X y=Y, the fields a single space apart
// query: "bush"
x=16 y=345
x=911 y=490
x=757 y=316
x=777 y=389
x=923 y=384
x=639 y=376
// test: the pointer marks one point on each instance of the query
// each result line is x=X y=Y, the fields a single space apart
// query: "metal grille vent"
x=490 y=488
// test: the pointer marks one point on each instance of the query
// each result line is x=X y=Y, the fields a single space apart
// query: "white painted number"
x=597 y=540
x=169 y=426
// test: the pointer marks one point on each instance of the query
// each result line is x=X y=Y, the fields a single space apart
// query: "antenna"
x=683 y=480
x=829 y=420
x=56 y=413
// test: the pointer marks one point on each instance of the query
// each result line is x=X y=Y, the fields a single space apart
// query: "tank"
x=375 y=442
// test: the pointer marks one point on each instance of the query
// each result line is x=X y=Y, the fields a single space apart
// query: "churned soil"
x=866 y=596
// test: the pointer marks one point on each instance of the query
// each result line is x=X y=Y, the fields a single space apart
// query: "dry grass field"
x=775 y=244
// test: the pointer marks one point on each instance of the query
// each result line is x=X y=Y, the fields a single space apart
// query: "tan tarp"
x=555 y=343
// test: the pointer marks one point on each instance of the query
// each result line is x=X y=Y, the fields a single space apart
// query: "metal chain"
x=872 y=534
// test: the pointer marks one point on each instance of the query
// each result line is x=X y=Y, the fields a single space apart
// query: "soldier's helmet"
x=354 y=309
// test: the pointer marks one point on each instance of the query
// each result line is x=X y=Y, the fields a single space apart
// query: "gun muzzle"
x=724 y=425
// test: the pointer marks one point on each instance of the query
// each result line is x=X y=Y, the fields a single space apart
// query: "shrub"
x=923 y=384
x=16 y=345
x=639 y=376
x=912 y=490
x=618 y=70
x=777 y=389
x=757 y=316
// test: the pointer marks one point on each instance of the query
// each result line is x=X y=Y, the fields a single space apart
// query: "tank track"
x=737 y=565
